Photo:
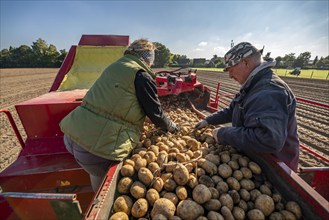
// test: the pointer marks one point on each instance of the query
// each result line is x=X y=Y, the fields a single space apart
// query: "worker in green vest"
x=108 y=124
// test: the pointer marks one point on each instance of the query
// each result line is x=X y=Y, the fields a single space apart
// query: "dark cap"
x=238 y=52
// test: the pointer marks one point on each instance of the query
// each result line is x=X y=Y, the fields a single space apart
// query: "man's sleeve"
x=147 y=96
x=265 y=124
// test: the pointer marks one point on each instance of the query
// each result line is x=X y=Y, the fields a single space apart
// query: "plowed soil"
x=17 y=85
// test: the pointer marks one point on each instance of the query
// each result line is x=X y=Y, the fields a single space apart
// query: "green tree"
x=288 y=60
x=302 y=59
x=162 y=55
x=316 y=59
x=278 y=61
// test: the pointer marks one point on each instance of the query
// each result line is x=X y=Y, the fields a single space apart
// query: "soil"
x=18 y=85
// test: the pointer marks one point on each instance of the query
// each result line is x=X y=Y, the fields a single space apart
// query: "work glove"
x=215 y=134
x=201 y=124
x=173 y=128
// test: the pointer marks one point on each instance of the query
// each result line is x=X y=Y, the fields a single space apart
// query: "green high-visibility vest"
x=109 y=121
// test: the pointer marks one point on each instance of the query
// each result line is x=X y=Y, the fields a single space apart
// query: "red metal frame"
x=312 y=102
x=13 y=125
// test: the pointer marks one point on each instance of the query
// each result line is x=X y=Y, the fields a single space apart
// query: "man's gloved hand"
x=173 y=128
x=201 y=124
x=215 y=133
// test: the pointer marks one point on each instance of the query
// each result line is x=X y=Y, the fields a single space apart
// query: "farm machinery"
x=45 y=182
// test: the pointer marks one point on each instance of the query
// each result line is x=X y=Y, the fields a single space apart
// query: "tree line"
x=40 y=54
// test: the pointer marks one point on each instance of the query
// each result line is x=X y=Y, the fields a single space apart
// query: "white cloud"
x=202 y=44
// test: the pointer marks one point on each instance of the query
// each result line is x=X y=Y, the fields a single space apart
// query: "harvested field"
x=17 y=85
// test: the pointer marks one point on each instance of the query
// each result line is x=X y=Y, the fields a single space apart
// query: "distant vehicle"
x=295 y=71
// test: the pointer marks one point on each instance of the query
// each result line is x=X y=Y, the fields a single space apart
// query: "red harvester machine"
x=45 y=182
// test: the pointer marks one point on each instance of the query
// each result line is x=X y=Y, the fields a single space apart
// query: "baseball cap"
x=238 y=52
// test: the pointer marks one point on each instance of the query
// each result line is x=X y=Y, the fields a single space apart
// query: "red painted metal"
x=312 y=102
x=102 y=202
x=41 y=116
x=314 y=153
x=13 y=125
x=64 y=69
x=104 y=40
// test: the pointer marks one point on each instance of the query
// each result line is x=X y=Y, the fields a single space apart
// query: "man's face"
x=239 y=72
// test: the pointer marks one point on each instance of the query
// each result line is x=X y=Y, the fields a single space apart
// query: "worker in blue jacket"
x=263 y=113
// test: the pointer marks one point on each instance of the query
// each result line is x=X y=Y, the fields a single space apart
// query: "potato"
x=237 y=174
x=238 y=213
x=224 y=171
x=208 y=166
x=233 y=164
x=189 y=210
x=170 y=166
x=247 y=184
x=214 y=216
x=181 y=192
x=201 y=194
x=193 y=144
x=276 y=216
x=254 y=168
x=212 y=205
x=222 y=187
x=134 y=158
x=192 y=181
x=163 y=206
x=158 y=184
x=181 y=174
x=243 y=204
x=124 y=185
x=243 y=161
x=264 y=203
x=235 y=196
x=200 y=172
x=139 y=163
x=216 y=179
x=244 y=194
x=214 y=193
x=226 y=200
x=293 y=207
x=233 y=183
x=276 y=197
x=287 y=215
x=154 y=149
x=150 y=157
x=139 y=208
x=127 y=170
x=145 y=176
x=123 y=204
x=129 y=162
x=152 y=195
x=189 y=167
x=226 y=212
x=147 y=143
x=206 y=180
x=215 y=159
x=225 y=157
x=170 y=184
x=153 y=167
x=119 y=215
x=254 y=194
x=138 y=190
x=255 y=214
x=246 y=172
x=201 y=218
x=265 y=190
x=162 y=158
x=171 y=196
x=159 y=217
x=175 y=218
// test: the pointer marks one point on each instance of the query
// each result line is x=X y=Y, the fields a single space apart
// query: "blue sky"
x=193 y=28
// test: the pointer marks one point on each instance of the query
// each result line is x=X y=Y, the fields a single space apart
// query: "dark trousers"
x=94 y=165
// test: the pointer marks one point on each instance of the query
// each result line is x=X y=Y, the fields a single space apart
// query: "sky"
x=197 y=29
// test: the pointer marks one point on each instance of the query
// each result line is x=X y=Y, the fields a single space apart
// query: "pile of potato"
x=189 y=176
